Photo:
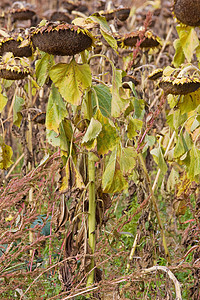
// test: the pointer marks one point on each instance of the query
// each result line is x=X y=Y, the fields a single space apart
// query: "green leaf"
x=53 y=138
x=5 y=155
x=188 y=40
x=109 y=172
x=139 y=108
x=187 y=140
x=42 y=67
x=112 y=179
x=105 y=30
x=134 y=126
x=100 y=20
x=194 y=166
x=176 y=119
x=17 y=107
x=7 y=83
x=71 y=80
x=159 y=159
x=104 y=97
x=180 y=147
x=56 y=110
x=149 y=142
x=172 y=100
x=161 y=162
x=92 y=132
x=3 y=99
x=108 y=138
x=179 y=56
x=129 y=109
x=128 y=160
x=118 y=105
x=109 y=39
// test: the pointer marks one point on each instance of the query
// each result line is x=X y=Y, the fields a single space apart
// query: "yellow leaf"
x=108 y=138
x=71 y=80
x=5 y=155
x=9 y=218
x=3 y=100
x=188 y=40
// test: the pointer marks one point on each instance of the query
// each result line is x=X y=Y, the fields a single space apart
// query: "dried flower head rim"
x=49 y=27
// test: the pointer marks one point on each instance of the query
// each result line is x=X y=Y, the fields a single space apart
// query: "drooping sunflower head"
x=62 y=38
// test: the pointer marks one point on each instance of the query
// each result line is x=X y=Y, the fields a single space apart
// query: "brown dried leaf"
x=63 y=214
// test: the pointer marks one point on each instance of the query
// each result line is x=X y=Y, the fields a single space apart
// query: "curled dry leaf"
x=62 y=214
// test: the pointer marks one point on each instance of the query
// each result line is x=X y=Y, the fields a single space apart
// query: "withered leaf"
x=73 y=178
x=63 y=214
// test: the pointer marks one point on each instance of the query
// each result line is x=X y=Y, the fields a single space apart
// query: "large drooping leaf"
x=127 y=160
x=109 y=38
x=149 y=141
x=173 y=100
x=198 y=55
x=105 y=30
x=17 y=107
x=172 y=180
x=92 y=133
x=188 y=40
x=159 y=159
x=104 y=98
x=5 y=155
x=72 y=178
x=113 y=180
x=194 y=166
x=183 y=144
x=71 y=80
x=180 y=148
x=108 y=138
x=134 y=126
x=188 y=140
x=100 y=20
x=176 y=119
x=3 y=99
x=179 y=56
x=56 y=110
x=139 y=108
x=119 y=104
x=42 y=67
x=189 y=102
x=64 y=137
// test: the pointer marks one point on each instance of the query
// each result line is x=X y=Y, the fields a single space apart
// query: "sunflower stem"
x=83 y=57
x=92 y=215
x=92 y=200
x=30 y=147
